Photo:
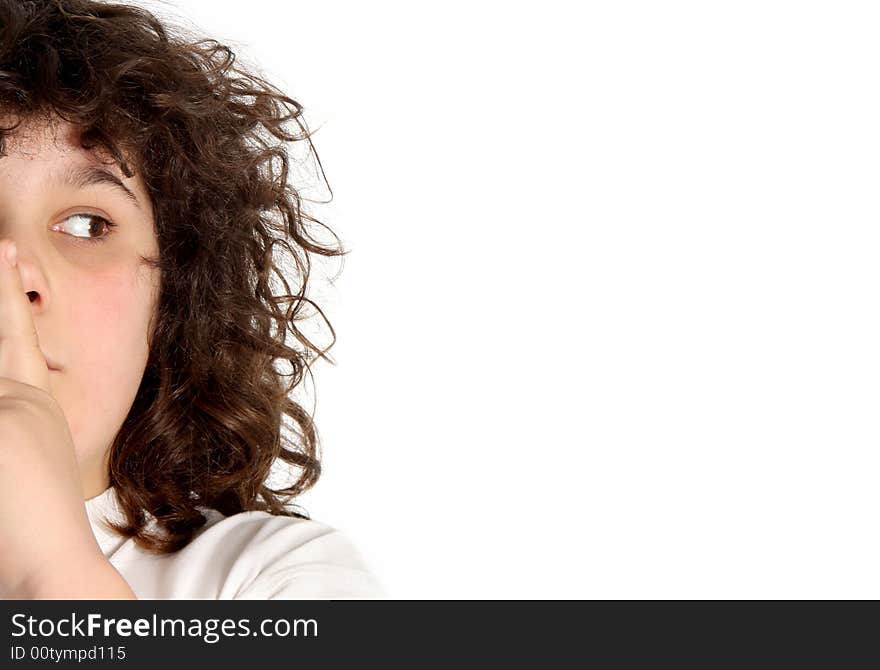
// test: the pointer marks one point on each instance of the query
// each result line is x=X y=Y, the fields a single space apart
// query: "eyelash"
x=93 y=240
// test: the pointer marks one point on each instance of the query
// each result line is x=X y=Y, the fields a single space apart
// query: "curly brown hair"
x=207 y=423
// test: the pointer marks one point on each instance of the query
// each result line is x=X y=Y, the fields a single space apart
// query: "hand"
x=44 y=529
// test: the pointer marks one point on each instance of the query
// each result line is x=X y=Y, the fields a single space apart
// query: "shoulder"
x=276 y=557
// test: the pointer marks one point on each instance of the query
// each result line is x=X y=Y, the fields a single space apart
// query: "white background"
x=609 y=328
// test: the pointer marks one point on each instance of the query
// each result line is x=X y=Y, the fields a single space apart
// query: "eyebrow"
x=91 y=175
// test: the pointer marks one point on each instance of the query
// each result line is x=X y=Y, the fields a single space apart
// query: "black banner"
x=231 y=634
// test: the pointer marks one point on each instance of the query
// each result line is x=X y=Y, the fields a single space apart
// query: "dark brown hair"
x=208 y=421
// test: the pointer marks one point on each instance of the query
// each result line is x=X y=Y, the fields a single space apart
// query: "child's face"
x=91 y=301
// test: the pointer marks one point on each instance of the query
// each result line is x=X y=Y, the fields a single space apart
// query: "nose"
x=33 y=279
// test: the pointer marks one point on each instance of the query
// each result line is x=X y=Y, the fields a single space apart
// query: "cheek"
x=111 y=316
x=106 y=343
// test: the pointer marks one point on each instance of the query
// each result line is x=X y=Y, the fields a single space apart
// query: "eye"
x=86 y=225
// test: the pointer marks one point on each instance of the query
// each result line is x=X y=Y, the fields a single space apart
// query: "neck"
x=94 y=483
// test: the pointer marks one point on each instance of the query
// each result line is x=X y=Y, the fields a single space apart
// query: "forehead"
x=51 y=139
x=52 y=149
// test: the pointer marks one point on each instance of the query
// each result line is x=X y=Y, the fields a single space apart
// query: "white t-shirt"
x=247 y=556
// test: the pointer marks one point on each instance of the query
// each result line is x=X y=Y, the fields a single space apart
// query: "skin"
x=91 y=302
x=87 y=307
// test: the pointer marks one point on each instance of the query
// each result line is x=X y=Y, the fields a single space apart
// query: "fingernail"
x=11 y=254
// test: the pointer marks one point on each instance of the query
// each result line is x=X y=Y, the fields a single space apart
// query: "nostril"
x=32 y=295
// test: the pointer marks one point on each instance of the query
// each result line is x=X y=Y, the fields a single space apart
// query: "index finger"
x=21 y=358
